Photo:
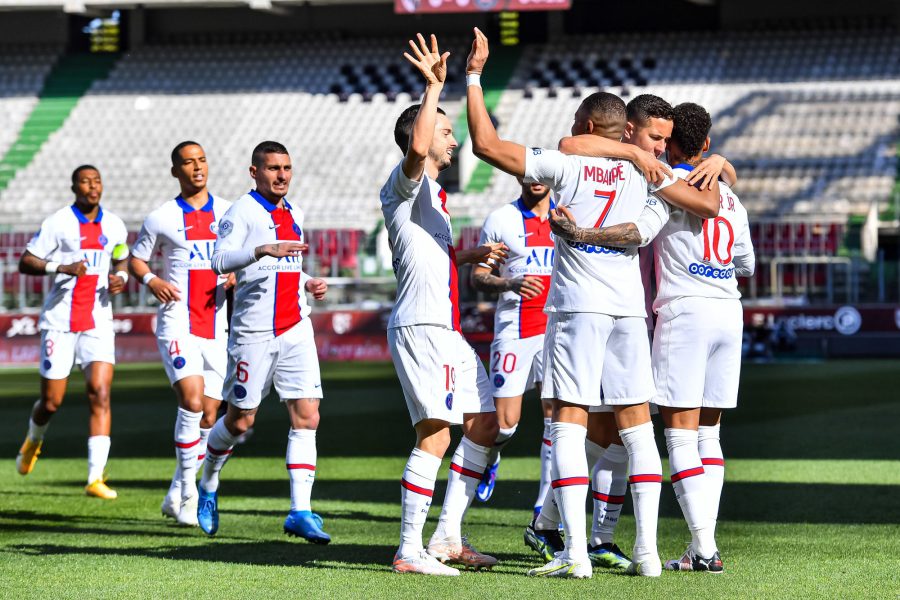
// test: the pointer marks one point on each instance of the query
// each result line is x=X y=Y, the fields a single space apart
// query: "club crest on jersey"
x=499 y=380
x=103 y=240
x=47 y=365
x=449 y=401
x=240 y=392
x=535 y=151
x=179 y=362
x=214 y=228
x=225 y=228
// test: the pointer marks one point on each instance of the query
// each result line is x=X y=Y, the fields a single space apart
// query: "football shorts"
x=62 y=349
x=191 y=355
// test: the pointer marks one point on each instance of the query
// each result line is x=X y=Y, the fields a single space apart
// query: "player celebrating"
x=596 y=325
x=271 y=339
x=519 y=322
x=84 y=246
x=699 y=314
x=443 y=380
x=191 y=324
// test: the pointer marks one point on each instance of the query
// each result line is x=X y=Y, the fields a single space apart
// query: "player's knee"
x=208 y=419
x=98 y=395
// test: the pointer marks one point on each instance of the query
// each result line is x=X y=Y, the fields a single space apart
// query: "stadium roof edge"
x=86 y=6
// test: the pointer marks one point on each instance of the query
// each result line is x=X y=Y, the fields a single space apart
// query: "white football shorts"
x=289 y=361
x=62 y=349
x=191 y=355
x=585 y=353
x=697 y=353
x=516 y=365
x=441 y=375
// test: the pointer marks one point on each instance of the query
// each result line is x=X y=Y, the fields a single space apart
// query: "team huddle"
x=571 y=260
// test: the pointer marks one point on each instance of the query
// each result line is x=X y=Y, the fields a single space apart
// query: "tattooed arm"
x=623 y=235
x=484 y=280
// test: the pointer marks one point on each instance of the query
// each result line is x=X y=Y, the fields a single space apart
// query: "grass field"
x=811 y=506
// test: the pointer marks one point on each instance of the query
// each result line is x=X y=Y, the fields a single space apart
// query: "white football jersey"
x=78 y=303
x=186 y=238
x=269 y=298
x=599 y=192
x=424 y=260
x=694 y=256
x=530 y=254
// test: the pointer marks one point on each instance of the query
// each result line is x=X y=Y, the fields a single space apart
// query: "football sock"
x=646 y=481
x=36 y=432
x=570 y=484
x=593 y=452
x=187 y=441
x=714 y=466
x=218 y=449
x=690 y=488
x=98 y=453
x=466 y=468
x=416 y=490
x=201 y=447
x=609 y=481
x=301 y=466
x=545 y=466
x=503 y=436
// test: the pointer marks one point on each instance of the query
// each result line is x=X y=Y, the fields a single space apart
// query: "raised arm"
x=701 y=203
x=433 y=67
x=710 y=169
x=486 y=144
x=654 y=170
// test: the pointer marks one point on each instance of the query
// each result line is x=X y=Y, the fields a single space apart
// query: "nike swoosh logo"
x=318 y=385
x=525 y=235
x=186 y=228
x=273 y=226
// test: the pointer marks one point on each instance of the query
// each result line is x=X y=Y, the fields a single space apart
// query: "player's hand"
x=479 y=54
x=562 y=223
x=493 y=254
x=654 y=170
x=281 y=249
x=707 y=172
x=317 y=287
x=76 y=269
x=164 y=291
x=430 y=63
x=528 y=287
x=230 y=281
x=116 y=284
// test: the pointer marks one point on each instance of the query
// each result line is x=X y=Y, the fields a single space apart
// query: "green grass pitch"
x=811 y=506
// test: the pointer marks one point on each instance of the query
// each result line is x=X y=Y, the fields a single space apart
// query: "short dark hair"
x=81 y=168
x=267 y=147
x=404 y=125
x=176 y=151
x=605 y=109
x=647 y=106
x=692 y=125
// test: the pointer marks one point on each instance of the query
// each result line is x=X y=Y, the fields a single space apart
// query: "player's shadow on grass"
x=270 y=553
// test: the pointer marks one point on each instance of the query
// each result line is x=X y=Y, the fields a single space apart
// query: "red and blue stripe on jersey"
x=532 y=319
x=84 y=294
x=201 y=292
x=286 y=310
x=454 y=271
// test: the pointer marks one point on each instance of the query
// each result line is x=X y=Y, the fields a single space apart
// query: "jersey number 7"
x=610 y=197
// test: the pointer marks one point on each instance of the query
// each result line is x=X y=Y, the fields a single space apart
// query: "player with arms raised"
x=699 y=315
x=443 y=380
x=191 y=324
x=519 y=322
x=84 y=246
x=596 y=330
x=271 y=339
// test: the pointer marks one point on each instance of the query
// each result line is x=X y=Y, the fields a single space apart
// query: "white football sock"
x=609 y=482
x=98 y=454
x=36 y=432
x=301 y=466
x=593 y=452
x=466 y=469
x=416 y=490
x=714 y=466
x=201 y=447
x=187 y=440
x=690 y=488
x=570 y=484
x=218 y=449
x=503 y=436
x=546 y=445
x=646 y=481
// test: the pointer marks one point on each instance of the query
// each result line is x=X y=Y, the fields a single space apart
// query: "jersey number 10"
x=713 y=249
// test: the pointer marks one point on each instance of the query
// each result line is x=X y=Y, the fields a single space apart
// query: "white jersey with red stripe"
x=424 y=259
x=599 y=192
x=186 y=237
x=530 y=254
x=269 y=298
x=694 y=256
x=67 y=236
